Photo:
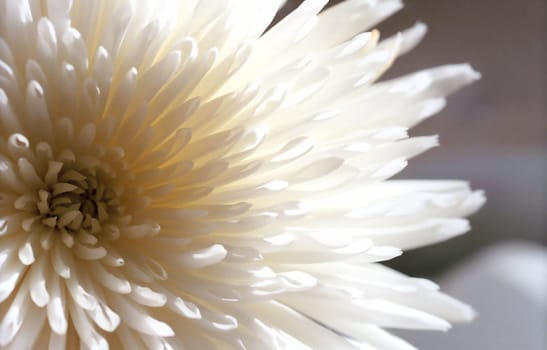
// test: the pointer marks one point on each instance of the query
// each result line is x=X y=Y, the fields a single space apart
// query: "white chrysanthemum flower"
x=174 y=177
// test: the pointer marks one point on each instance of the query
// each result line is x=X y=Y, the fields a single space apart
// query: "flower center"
x=77 y=192
x=80 y=200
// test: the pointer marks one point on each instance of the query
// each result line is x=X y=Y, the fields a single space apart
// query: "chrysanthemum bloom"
x=174 y=177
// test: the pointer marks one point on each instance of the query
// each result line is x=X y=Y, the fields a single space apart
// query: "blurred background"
x=493 y=134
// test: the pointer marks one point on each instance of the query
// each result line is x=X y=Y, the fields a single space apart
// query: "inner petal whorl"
x=79 y=199
x=75 y=191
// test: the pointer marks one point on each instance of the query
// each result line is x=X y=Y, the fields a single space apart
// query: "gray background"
x=493 y=134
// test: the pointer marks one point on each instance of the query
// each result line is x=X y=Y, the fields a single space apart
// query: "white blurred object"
x=507 y=285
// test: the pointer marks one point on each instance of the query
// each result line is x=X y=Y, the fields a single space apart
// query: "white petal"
x=137 y=318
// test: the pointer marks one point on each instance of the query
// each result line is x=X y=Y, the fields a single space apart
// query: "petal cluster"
x=174 y=176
